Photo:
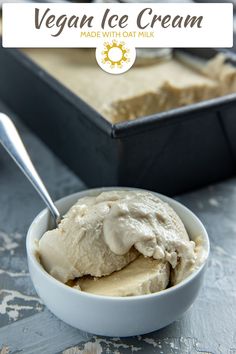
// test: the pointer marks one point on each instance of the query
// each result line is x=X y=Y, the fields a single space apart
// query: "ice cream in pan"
x=144 y=89
x=120 y=243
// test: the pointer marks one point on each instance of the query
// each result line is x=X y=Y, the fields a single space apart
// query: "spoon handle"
x=13 y=144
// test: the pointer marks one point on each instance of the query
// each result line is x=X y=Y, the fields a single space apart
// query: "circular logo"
x=115 y=57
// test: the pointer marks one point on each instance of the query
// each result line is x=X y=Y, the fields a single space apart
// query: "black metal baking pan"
x=170 y=152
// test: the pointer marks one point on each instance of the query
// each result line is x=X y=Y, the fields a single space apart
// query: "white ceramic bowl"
x=114 y=316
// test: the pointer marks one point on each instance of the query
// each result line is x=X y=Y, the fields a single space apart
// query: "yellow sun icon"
x=115 y=54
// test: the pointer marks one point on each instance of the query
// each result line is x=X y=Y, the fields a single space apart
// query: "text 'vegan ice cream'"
x=119 y=243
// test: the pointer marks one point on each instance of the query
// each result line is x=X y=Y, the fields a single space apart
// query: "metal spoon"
x=11 y=141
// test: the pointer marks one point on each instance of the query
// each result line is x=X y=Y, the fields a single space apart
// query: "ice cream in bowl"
x=111 y=261
x=121 y=262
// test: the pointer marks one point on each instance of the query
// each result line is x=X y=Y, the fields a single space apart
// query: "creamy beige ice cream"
x=77 y=247
x=130 y=241
x=141 y=91
x=140 y=277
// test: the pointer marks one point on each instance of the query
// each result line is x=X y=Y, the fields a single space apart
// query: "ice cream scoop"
x=103 y=234
x=77 y=247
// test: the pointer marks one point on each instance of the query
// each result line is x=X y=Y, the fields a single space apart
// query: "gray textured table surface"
x=26 y=326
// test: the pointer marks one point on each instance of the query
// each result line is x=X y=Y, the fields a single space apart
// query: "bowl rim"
x=183 y=283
